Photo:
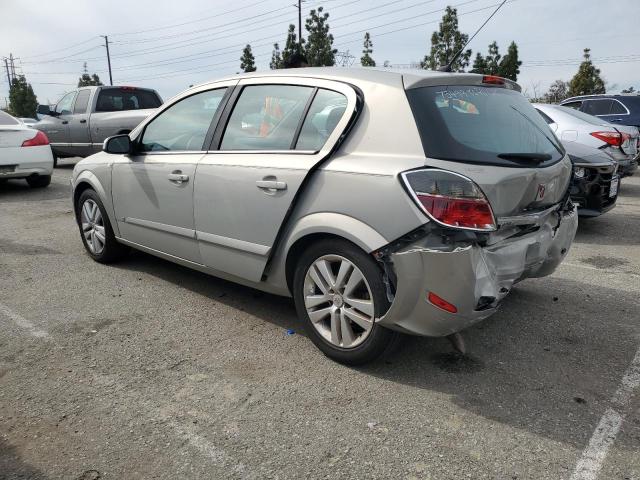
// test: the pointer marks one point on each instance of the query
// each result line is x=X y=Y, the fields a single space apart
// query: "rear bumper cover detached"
x=472 y=277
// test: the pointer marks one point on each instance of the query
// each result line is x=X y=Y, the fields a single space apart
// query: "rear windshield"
x=474 y=124
x=6 y=119
x=117 y=99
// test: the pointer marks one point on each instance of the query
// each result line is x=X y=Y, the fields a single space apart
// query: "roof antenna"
x=447 y=67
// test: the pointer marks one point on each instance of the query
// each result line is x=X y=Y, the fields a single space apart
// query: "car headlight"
x=579 y=172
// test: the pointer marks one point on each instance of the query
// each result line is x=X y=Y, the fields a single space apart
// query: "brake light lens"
x=493 y=80
x=450 y=199
x=38 y=140
x=612 y=138
x=441 y=303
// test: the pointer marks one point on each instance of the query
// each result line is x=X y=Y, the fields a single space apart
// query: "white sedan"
x=24 y=152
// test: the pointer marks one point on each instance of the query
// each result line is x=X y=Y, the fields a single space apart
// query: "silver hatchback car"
x=381 y=201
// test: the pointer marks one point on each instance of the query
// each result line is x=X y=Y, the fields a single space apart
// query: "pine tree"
x=629 y=90
x=493 y=59
x=587 y=81
x=479 y=65
x=291 y=45
x=22 y=100
x=510 y=65
x=276 y=58
x=446 y=42
x=87 y=80
x=366 y=60
x=319 y=46
x=247 y=61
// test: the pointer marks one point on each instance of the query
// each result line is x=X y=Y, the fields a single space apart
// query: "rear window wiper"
x=533 y=157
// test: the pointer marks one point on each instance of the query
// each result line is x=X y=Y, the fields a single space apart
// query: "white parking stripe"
x=605 y=434
x=22 y=322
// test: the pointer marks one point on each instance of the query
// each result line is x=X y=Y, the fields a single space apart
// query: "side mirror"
x=44 y=110
x=118 y=144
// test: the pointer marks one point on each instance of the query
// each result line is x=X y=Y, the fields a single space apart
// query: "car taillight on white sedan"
x=612 y=138
x=39 y=140
x=450 y=199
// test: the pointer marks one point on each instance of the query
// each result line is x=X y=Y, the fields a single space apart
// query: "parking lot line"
x=605 y=433
x=22 y=322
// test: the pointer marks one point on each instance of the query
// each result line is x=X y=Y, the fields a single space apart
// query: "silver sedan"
x=382 y=202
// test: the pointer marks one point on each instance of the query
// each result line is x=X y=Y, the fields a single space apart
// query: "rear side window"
x=617 y=108
x=597 y=107
x=574 y=105
x=266 y=117
x=184 y=125
x=6 y=119
x=118 y=99
x=82 y=100
x=326 y=111
x=482 y=125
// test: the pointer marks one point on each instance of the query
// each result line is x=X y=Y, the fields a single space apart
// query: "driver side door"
x=152 y=189
x=57 y=125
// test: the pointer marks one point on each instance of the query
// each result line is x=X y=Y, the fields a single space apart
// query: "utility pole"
x=6 y=66
x=13 y=68
x=106 y=44
x=299 y=7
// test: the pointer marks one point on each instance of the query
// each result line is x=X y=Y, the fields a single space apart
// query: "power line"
x=61 y=49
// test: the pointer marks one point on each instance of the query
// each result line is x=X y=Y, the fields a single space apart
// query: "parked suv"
x=383 y=202
x=623 y=109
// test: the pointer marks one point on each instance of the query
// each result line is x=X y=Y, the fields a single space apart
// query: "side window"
x=574 y=105
x=184 y=125
x=82 y=101
x=597 y=107
x=327 y=109
x=265 y=117
x=64 y=105
x=617 y=108
x=545 y=117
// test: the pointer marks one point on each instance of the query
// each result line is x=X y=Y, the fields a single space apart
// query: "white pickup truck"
x=78 y=124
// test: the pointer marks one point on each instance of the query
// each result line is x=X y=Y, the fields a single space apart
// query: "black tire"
x=39 y=181
x=113 y=250
x=55 y=158
x=379 y=338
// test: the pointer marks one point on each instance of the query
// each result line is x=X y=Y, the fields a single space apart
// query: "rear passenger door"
x=272 y=134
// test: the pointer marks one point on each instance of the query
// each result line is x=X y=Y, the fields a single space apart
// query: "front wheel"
x=95 y=229
x=339 y=292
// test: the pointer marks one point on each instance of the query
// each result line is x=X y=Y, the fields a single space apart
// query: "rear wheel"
x=95 y=229
x=39 y=181
x=338 y=292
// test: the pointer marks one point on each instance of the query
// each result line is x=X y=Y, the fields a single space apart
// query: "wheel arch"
x=327 y=225
x=88 y=180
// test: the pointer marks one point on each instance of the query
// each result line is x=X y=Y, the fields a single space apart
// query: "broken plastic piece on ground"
x=290 y=331
x=457 y=342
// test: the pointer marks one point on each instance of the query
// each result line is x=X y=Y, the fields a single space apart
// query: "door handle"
x=271 y=185
x=83 y=121
x=178 y=177
x=64 y=122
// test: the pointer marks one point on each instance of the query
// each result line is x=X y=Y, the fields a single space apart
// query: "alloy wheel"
x=92 y=226
x=338 y=301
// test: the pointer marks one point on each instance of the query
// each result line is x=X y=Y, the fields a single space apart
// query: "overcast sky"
x=169 y=45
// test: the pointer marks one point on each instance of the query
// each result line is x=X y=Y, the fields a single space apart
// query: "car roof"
x=410 y=78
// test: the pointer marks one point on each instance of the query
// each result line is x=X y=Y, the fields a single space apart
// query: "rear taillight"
x=450 y=199
x=38 y=140
x=612 y=138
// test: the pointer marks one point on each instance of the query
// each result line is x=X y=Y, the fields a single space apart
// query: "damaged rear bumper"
x=473 y=278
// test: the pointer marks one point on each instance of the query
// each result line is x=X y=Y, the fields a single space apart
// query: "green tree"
x=493 y=59
x=510 y=65
x=558 y=91
x=479 y=65
x=629 y=90
x=291 y=45
x=22 y=100
x=247 y=60
x=87 y=80
x=446 y=42
x=319 y=46
x=366 y=60
x=587 y=81
x=276 y=58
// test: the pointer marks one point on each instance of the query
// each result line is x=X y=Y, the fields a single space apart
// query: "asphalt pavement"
x=147 y=370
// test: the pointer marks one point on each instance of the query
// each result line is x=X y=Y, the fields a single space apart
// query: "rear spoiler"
x=439 y=79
